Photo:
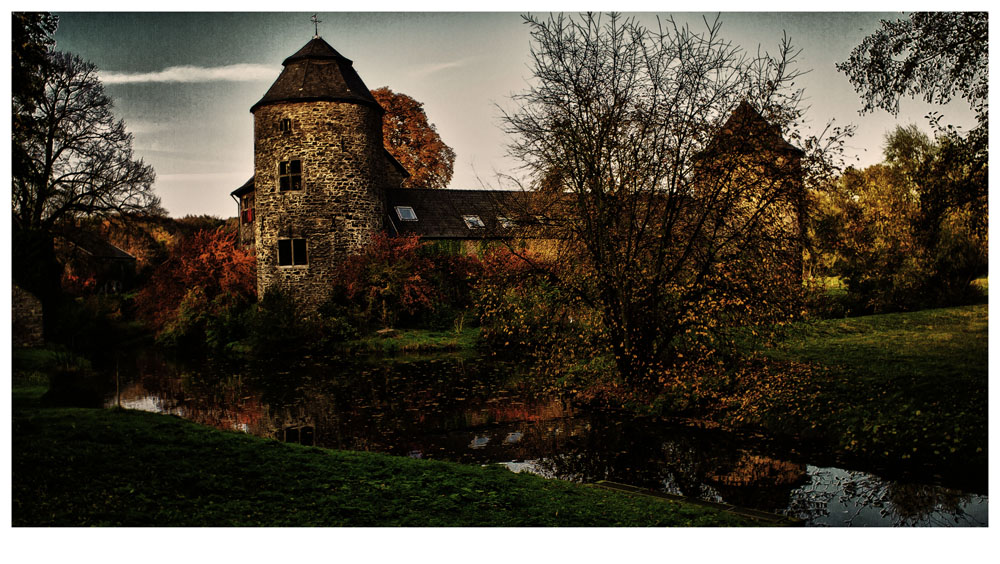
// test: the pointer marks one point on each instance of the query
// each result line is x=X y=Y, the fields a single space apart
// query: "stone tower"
x=320 y=173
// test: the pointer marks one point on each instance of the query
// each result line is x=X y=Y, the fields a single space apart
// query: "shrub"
x=388 y=276
x=276 y=327
x=92 y=325
x=195 y=295
x=454 y=276
x=517 y=303
x=402 y=281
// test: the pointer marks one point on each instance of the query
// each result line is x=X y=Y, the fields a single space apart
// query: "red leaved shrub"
x=206 y=266
x=388 y=276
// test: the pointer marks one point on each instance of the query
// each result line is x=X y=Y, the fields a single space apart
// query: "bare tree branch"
x=80 y=158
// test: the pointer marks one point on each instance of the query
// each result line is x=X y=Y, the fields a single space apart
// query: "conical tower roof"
x=317 y=72
x=746 y=120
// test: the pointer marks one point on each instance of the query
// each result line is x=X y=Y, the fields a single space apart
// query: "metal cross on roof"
x=316 y=23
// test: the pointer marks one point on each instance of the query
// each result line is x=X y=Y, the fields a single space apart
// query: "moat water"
x=480 y=411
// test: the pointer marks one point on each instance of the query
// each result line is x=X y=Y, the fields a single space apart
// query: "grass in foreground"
x=898 y=387
x=84 y=467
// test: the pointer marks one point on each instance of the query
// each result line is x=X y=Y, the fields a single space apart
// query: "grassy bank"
x=83 y=467
x=415 y=340
x=900 y=388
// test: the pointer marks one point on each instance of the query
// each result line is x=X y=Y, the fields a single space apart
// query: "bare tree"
x=670 y=189
x=80 y=159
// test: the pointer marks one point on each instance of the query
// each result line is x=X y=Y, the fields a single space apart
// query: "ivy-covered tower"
x=320 y=173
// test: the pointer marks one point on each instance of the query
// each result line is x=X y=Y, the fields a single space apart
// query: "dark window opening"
x=292 y=252
x=290 y=175
x=285 y=125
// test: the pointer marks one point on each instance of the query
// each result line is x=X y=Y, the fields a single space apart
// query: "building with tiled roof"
x=324 y=184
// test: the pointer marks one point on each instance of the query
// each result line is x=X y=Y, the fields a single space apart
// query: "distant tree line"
x=911 y=232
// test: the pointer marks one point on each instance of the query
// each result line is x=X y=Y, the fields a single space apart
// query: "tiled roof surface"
x=96 y=246
x=746 y=129
x=317 y=72
x=439 y=212
x=246 y=188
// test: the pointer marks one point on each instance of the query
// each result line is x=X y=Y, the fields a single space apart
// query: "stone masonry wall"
x=341 y=203
x=26 y=318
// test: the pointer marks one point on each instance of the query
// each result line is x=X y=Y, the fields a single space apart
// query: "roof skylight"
x=473 y=222
x=406 y=213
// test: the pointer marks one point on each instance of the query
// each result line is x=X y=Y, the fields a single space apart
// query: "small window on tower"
x=406 y=213
x=285 y=125
x=292 y=252
x=290 y=175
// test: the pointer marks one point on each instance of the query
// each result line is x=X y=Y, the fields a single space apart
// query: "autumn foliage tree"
x=205 y=279
x=404 y=281
x=936 y=57
x=413 y=141
x=904 y=234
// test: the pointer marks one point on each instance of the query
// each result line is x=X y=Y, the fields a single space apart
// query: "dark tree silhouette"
x=31 y=40
x=72 y=159
x=80 y=160
x=931 y=55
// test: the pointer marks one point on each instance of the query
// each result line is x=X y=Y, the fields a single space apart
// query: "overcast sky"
x=184 y=82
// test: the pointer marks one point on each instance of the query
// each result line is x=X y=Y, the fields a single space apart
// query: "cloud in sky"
x=229 y=73
x=429 y=69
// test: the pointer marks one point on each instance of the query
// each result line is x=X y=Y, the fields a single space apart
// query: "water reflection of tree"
x=438 y=409
x=217 y=398
x=705 y=465
x=897 y=504
x=384 y=406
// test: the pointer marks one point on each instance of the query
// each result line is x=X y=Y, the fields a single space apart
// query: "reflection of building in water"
x=405 y=413
x=753 y=469
x=301 y=434
x=294 y=425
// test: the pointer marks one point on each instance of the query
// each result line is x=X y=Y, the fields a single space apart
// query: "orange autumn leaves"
x=206 y=267
x=413 y=141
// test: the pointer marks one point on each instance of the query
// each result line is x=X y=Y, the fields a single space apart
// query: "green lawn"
x=85 y=467
x=898 y=387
